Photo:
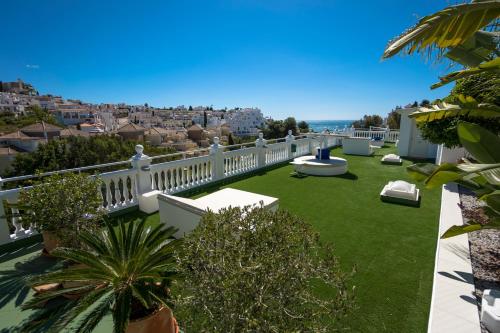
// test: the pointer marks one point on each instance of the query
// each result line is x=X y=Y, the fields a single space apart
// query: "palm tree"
x=124 y=270
x=466 y=33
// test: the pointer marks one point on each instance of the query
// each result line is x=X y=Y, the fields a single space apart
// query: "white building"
x=245 y=121
x=411 y=143
x=107 y=119
x=145 y=118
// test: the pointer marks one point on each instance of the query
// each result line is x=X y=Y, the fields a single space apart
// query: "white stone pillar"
x=260 y=144
x=217 y=159
x=141 y=163
x=4 y=227
x=289 y=140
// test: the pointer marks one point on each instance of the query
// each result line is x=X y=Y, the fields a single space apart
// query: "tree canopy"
x=303 y=126
x=484 y=88
x=10 y=122
x=393 y=119
x=74 y=152
x=277 y=129
x=367 y=121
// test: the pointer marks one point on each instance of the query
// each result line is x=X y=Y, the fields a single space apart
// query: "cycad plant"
x=124 y=270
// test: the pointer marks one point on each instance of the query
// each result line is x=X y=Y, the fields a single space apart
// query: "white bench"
x=185 y=214
x=357 y=146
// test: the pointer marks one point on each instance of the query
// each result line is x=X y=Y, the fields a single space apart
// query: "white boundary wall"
x=453 y=305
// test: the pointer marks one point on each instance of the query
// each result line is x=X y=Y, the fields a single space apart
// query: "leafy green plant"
x=124 y=270
x=483 y=178
x=483 y=88
x=74 y=152
x=303 y=126
x=64 y=205
x=254 y=270
x=367 y=121
x=466 y=34
x=455 y=32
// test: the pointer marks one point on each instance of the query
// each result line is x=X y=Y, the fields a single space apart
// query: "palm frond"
x=481 y=47
x=97 y=296
x=41 y=298
x=449 y=27
x=489 y=66
x=90 y=320
x=121 y=264
x=121 y=311
x=467 y=107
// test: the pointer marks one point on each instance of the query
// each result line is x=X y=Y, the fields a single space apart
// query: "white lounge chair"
x=357 y=146
x=185 y=214
x=401 y=192
x=391 y=159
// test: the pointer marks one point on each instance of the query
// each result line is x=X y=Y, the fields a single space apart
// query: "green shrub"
x=259 y=271
x=64 y=205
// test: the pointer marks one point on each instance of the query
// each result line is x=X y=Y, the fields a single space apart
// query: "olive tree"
x=254 y=270
x=64 y=205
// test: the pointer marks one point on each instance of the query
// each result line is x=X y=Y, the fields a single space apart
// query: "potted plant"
x=61 y=207
x=126 y=271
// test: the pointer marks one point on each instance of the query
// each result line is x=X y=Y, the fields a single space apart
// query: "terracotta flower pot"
x=50 y=241
x=159 y=321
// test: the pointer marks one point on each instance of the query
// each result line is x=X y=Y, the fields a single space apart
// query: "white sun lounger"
x=185 y=214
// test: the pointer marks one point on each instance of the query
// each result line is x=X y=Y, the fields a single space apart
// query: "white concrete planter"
x=453 y=307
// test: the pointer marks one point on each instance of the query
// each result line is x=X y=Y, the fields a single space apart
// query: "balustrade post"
x=311 y=145
x=147 y=197
x=260 y=145
x=141 y=163
x=289 y=140
x=4 y=227
x=217 y=160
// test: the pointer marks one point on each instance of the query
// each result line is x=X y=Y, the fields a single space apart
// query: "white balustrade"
x=240 y=161
x=277 y=152
x=302 y=147
x=392 y=136
x=122 y=189
x=180 y=175
x=389 y=136
x=11 y=197
x=119 y=189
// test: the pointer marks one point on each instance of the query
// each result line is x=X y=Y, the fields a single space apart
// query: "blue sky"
x=310 y=59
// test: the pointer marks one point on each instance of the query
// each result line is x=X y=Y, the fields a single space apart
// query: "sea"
x=320 y=125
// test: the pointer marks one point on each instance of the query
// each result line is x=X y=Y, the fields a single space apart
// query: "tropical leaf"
x=461 y=229
x=476 y=50
x=494 y=223
x=489 y=66
x=421 y=171
x=493 y=200
x=482 y=144
x=445 y=173
x=467 y=107
x=449 y=27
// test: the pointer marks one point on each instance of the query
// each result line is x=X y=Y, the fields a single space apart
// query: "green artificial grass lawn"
x=392 y=246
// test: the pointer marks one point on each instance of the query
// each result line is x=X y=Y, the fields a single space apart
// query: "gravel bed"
x=484 y=248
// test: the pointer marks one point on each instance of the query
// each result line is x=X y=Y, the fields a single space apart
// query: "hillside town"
x=181 y=128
